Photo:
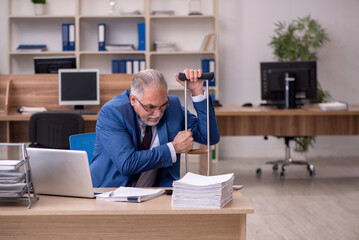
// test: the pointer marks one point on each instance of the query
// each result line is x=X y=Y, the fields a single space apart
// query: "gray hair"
x=148 y=77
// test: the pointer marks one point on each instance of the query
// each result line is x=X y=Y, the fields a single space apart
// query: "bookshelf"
x=187 y=31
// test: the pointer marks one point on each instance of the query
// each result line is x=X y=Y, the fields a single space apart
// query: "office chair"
x=52 y=130
x=287 y=161
x=84 y=141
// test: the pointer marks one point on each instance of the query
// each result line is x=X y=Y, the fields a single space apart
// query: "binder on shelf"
x=208 y=65
x=101 y=36
x=135 y=66
x=31 y=48
x=115 y=66
x=65 y=36
x=122 y=66
x=142 y=64
x=72 y=37
x=129 y=66
x=141 y=36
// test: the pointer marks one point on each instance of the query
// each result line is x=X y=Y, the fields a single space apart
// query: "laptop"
x=61 y=172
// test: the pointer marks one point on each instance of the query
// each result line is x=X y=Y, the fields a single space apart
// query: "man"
x=140 y=133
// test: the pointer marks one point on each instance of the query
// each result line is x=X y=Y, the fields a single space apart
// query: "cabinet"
x=187 y=31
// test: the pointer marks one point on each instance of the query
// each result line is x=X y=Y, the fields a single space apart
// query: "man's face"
x=152 y=105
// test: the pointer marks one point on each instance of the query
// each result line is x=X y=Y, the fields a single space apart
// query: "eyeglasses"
x=151 y=108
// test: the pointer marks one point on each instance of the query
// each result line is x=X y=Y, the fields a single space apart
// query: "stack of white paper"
x=199 y=191
x=333 y=106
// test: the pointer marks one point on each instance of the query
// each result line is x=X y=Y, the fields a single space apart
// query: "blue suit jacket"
x=117 y=157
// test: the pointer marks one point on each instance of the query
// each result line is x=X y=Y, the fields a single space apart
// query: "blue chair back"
x=85 y=142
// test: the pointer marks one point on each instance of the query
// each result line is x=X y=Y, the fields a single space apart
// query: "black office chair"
x=52 y=130
x=287 y=161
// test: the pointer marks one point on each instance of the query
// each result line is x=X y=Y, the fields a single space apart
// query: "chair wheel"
x=275 y=167
x=282 y=174
x=259 y=171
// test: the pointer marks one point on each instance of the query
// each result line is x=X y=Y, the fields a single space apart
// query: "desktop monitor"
x=53 y=64
x=79 y=87
x=288 y=83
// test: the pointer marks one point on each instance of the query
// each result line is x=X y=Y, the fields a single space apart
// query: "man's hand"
x=194 y=85
x=183 y=142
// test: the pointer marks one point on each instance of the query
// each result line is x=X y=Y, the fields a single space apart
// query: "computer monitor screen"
x=53 y=64
x=273 y=83
x=79 y=87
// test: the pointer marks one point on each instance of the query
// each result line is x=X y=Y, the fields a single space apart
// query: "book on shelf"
x=120 y=47
x=163 y=12
x=134 y=12
x=130 y=194
x=208 y=42
x=163 y=46
x=31 y=48
x=198 y=191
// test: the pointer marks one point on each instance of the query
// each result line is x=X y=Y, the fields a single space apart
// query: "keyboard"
x=80 y=112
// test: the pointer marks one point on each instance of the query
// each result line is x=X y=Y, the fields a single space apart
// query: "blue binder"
x=142 y=36
x=65 y=36
x=122 y=66
x=101 y=36
x=115 y=66
x=208 y=65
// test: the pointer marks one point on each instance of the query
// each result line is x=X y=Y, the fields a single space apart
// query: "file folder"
x=65 y=36
x=141 y=36
x=71 y=45
x=101 y=37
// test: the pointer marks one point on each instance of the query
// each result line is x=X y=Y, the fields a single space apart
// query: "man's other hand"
x=183 y=142
x=194 y=84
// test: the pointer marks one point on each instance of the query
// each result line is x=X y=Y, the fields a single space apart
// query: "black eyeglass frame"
x=154 y=108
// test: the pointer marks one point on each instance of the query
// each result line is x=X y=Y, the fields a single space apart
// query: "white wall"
x=245 y=28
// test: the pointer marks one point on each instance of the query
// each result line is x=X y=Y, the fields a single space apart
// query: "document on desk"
x=130 y=194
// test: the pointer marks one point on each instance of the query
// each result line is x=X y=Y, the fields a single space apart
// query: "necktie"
x=145 y=145
x=146 y=141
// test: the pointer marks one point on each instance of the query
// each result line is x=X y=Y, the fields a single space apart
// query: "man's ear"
x=132 y=100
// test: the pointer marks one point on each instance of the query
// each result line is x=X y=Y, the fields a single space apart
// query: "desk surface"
x=54 y=205
x=310 y=109
x=77 y=218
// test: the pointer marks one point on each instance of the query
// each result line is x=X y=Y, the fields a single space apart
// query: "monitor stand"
x=79 y=107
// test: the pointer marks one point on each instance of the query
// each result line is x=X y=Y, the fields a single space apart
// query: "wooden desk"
x=41 y=90
x=76 y=218
x=234 y=120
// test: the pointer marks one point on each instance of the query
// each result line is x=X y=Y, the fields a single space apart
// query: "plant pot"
x=39 y=9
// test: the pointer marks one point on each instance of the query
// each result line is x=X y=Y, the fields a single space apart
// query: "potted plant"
x=299 y=41
x=39 y=7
